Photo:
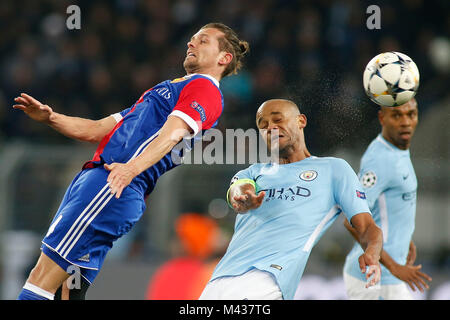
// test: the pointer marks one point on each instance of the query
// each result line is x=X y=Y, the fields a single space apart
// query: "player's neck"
x=294 y=156
x=401 y=146
x=213 y=74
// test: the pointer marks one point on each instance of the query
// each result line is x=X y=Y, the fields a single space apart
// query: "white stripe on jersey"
x=80 y=217
x=87 y=224
x=91 y=211
x=85 y=216
x=312 y=238
x=383 y=216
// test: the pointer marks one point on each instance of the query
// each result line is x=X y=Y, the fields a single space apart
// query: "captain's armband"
x=236 y=182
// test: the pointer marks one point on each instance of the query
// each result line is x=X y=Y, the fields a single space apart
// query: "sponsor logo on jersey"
x=287 y=194
x=164 y=92
x=308 y=175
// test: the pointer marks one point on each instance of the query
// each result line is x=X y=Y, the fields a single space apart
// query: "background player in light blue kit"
x=136 y=146
x=284 y=208
x=390 y=184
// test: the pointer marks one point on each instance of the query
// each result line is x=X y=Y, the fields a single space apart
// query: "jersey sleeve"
x=375 y=177
x=199 y=104
x=119 y=115
x=347 y=190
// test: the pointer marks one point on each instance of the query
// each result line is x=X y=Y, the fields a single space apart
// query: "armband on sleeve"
x=237 y=183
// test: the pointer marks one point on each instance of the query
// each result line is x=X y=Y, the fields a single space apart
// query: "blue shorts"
x=89 y=220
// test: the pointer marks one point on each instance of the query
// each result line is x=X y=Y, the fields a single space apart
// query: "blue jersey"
x=390 y=184
x=196 y=99
x=89 y=218
x=302 y=200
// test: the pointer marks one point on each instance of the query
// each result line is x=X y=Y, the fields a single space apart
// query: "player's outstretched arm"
x=371 y=240
x=73 y=127
x=408 y=273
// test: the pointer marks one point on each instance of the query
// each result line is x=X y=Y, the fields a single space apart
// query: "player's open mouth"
x=405 y=134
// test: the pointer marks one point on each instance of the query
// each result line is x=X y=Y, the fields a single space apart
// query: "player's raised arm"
x=72 y=127
x=242 y=197
x=371 y=240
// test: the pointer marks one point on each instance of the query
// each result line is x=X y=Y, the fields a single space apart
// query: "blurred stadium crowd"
x=313 y=52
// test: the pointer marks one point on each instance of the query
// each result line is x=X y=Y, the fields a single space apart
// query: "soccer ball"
x=391 y=79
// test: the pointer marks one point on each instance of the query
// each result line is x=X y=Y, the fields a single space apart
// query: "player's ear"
x=302 y=121
x=225 y=58
x=381 y=116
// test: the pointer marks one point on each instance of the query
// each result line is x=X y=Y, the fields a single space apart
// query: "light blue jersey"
x=390 y=184
x=302 y=200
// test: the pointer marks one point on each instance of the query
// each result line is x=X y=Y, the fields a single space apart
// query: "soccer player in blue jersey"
x=136 y=146
x=284 y=207
x=390 y=184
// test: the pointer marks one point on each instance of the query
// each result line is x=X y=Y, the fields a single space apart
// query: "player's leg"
x=356 y=289
x=43 y=281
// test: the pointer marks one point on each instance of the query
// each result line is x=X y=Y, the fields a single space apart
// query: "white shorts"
x=252 y=285
x=356 y=290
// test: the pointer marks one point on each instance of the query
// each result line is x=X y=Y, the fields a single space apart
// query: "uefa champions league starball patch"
x=369 y=179
x=308 y=175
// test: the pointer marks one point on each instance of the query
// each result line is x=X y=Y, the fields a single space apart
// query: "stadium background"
x=312 y=52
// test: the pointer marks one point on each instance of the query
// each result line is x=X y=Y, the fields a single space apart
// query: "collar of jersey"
x=205 y=75
x=390 y=145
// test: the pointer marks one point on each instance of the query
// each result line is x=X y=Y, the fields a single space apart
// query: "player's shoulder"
x=330 y=161
x=379 y=152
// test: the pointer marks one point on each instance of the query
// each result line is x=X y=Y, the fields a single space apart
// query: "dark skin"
x=281 y=125
x=398 y=127
x=399 y=123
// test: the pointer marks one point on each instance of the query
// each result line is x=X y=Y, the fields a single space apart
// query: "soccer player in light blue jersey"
x=284 y=207
x=390 y=185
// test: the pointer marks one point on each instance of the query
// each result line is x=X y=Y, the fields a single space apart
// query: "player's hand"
x=412 y=276
x=411 y=254
x=120 y=176
x=247 y=201
x=372 y=264
x=33 y=108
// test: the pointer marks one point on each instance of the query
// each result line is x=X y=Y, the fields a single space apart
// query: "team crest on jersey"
x=308 y=175
x=369 y=179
